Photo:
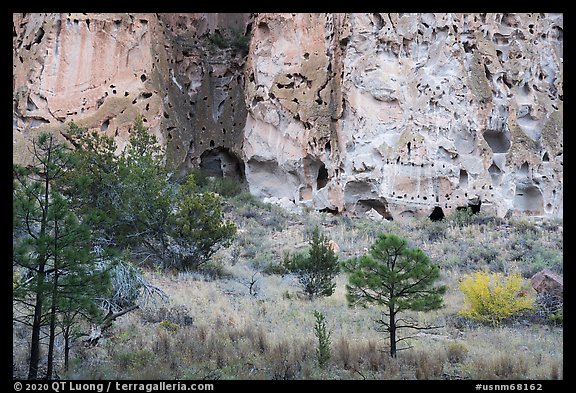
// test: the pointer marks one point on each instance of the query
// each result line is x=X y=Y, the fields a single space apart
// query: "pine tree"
x=398 y=278
x=131 y=203
x=92 y=183
x=200 y=228
x=75 y=280
x=32 y=204
x=147 y=196
x=317 y=270
x=51 y=248
x=323 y=335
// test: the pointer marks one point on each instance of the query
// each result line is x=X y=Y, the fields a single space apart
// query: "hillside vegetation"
x=242 y=314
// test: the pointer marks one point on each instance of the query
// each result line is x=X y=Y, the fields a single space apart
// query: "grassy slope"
x=213 y=328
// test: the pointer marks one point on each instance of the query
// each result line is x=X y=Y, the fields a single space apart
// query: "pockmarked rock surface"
x=398 y=115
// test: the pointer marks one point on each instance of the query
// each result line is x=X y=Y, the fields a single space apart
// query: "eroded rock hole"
x=30 y=105
x=463 y=179
x=437 y=214
x=328 y=210
x=528 y=198
x=322 y=178
x=545 y=157
x=39 y=36
x=468 y=47
x=221 y=162
x=105 y=125
x=473 y=206
x=495 y=173
x=378 y=21
x=378 y=205
x=498 y=140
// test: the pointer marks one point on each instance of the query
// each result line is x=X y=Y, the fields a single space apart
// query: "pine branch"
x=416 y=327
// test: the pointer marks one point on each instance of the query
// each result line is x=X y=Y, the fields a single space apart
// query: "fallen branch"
x=97 y=331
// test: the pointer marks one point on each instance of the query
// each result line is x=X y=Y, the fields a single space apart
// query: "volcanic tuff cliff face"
x=399 y=114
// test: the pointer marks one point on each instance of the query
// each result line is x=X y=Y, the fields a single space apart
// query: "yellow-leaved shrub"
x=492 y=297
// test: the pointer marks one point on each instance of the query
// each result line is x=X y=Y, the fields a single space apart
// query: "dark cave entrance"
x=378 y=205
x=473 y=206
x=221 y=162
x=322 y=179
x=437 y=214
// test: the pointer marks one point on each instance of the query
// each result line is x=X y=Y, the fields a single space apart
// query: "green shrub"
x=213 y=270
x=549 y=308
x=239 y=41
x=462 y=217
x=134 y=360
x=457 y=352
x=274 y=268
x=226 y=186
x=230 y=38
x=436 y=230
x=556 y=318
x=323 y=335
x=169 y=326
x=317 y=270
x=218 y=40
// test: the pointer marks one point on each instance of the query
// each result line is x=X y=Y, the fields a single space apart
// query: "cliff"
x=396 y=114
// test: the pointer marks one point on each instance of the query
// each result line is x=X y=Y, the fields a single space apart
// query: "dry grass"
x=214 y=328
x=238 y=336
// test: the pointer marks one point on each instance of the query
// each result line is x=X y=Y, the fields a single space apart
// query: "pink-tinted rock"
x=399 y=114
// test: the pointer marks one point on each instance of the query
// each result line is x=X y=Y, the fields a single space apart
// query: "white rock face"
x=102 y=70
x=394 y=114
x=402 y=113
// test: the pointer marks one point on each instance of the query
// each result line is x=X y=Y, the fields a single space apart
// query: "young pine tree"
x=317 y=270
x=74 y=279
x=200 y=228
x=398 y=278
x=323 y=335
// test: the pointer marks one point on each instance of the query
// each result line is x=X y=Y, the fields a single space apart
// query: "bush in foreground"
x=492 y=297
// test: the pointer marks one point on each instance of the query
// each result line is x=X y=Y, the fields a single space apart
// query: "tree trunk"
x=392 y=329
x=50 y=365
x=66 y=347
x=36 y=324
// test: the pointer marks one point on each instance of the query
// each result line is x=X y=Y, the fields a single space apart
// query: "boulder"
x=547 y=282
x=334 y=246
